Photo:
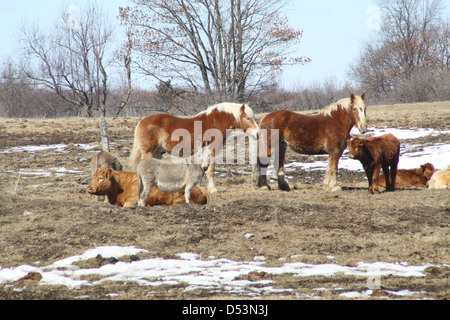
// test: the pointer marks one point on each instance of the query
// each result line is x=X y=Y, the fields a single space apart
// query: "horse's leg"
x=282 y=184
x=261 y=170
x=330 y=177
x=210 y=186
x=264 y=153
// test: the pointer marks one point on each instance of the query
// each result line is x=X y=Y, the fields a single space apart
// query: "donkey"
x=172 y=176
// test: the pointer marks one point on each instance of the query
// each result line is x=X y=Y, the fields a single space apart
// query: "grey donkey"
x=173 y=175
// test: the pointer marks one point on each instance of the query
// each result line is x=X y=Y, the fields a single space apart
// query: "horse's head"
x=358 y=109
x=247 y=122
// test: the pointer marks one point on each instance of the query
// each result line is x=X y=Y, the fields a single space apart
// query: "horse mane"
x=343 y=103
x=228 y=107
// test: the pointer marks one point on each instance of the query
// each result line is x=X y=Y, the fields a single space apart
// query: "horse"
x=172 y=176
x=156 y=134
x=325 y=133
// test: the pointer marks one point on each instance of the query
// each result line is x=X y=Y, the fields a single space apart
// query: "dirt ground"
x=46 y=219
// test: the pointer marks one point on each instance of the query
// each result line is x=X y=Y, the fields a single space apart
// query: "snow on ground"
x=217 y=275
x=411 y=155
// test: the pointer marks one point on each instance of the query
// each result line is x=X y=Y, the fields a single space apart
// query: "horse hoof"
x=264 y=188
x=284 y=187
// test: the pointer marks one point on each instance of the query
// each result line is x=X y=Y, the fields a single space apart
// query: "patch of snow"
x=216 y=275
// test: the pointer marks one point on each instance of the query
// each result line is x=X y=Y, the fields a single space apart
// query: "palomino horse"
x=155 y=135
x=325 y=133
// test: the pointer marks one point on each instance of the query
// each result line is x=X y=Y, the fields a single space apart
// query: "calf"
x=121 y=189
x=412 y=177
x=374 y=154
x=440 y=179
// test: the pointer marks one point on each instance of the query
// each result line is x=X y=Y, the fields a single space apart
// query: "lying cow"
x=102 y=158
x=440 y=179
x=121 y=189
x=412 y=177
x=376 y=154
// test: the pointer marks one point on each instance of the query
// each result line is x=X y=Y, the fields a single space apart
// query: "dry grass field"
x=46 y=215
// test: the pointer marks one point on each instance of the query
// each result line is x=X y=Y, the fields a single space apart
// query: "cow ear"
x=109 y=173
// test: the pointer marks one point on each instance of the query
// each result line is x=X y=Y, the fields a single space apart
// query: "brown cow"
x=440 y=179
x=121 y=189
x=412 y=177
x=374 y=154
x=101 y=158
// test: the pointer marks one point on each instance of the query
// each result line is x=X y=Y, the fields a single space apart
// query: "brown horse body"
x=325 y=133
x=157 y=134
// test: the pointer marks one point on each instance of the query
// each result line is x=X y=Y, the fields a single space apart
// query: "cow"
x=376 y=154
x=102 y=158
x=121 y=189
x=440 y=179
x=411 y=178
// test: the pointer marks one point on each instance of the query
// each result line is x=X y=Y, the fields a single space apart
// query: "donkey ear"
x=363 y=96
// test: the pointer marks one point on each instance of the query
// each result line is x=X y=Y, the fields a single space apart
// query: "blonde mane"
x=343 y=103
x=228 y=107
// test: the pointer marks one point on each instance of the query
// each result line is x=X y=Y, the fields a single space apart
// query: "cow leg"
x=369 y=175
x=282 y=184
x=387 y=178
x=375 y=175
x=393 y=175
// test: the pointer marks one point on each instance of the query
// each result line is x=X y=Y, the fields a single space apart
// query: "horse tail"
x=136 y=153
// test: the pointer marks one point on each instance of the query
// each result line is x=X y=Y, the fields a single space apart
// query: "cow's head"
x=356 y=148
x=101 y=181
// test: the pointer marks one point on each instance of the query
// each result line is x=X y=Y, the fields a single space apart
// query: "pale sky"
x=332 y=38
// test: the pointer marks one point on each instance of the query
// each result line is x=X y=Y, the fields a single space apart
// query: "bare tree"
x=413 y=41
x=218 y=47
x=72 y=59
